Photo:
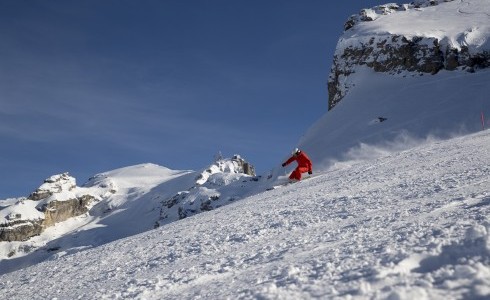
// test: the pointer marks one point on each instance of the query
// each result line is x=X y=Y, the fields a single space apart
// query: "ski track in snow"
x=411 y=225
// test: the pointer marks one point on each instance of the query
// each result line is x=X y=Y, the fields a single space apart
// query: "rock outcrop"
x=235 y=165
x=223 y=182
x=59 y=211
x=56 y=200
x=394 y=53
x=20 y=230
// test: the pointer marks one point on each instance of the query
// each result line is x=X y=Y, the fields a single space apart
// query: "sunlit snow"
x=397 y=209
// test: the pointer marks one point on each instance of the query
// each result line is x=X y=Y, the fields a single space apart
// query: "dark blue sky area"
x=90 y=86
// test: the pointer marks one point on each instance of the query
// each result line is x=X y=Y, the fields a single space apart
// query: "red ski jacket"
x=302 y=159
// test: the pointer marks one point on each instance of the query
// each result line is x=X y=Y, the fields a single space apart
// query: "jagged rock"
x=184 y=213
x=246 y=167
x=39 y=195
x=452 y=59
x=395 y=54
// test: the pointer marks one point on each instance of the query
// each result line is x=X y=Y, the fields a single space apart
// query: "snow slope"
x=409 y=225
x=394 y=212
x=416 y=107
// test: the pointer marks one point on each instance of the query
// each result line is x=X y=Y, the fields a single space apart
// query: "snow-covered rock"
x=235 y=165
x=421 y=38
x=224 y=181
x=56 y=200
x=54 y=185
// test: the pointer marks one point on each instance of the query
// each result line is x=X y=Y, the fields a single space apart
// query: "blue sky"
x=90 y=86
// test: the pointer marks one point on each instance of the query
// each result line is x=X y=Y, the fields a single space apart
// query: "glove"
x=310 y=172
x=284 y=164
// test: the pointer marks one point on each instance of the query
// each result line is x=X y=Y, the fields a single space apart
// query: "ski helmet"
x=295 y=151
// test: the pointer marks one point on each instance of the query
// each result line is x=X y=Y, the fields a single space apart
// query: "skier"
x=304 y=164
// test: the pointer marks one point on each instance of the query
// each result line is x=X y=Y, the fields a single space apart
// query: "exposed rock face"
x=55 y=201
x=392 y=53
x=395 y=54
x=59 y=211
x=20 y=230
x=246 y=167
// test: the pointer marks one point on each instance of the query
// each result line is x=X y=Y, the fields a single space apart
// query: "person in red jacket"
x=304 y=164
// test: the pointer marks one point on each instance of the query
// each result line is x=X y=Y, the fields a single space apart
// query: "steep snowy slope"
x=382 y=68
x=410 y=225
x=416 y=108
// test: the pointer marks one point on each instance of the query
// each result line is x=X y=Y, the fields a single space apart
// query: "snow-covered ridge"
x=456 y=24
x=112 y=205
x=419 y=38
x=371 y=14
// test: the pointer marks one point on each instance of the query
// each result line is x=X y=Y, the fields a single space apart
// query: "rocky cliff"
x=405 y=38
x=56 y=200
